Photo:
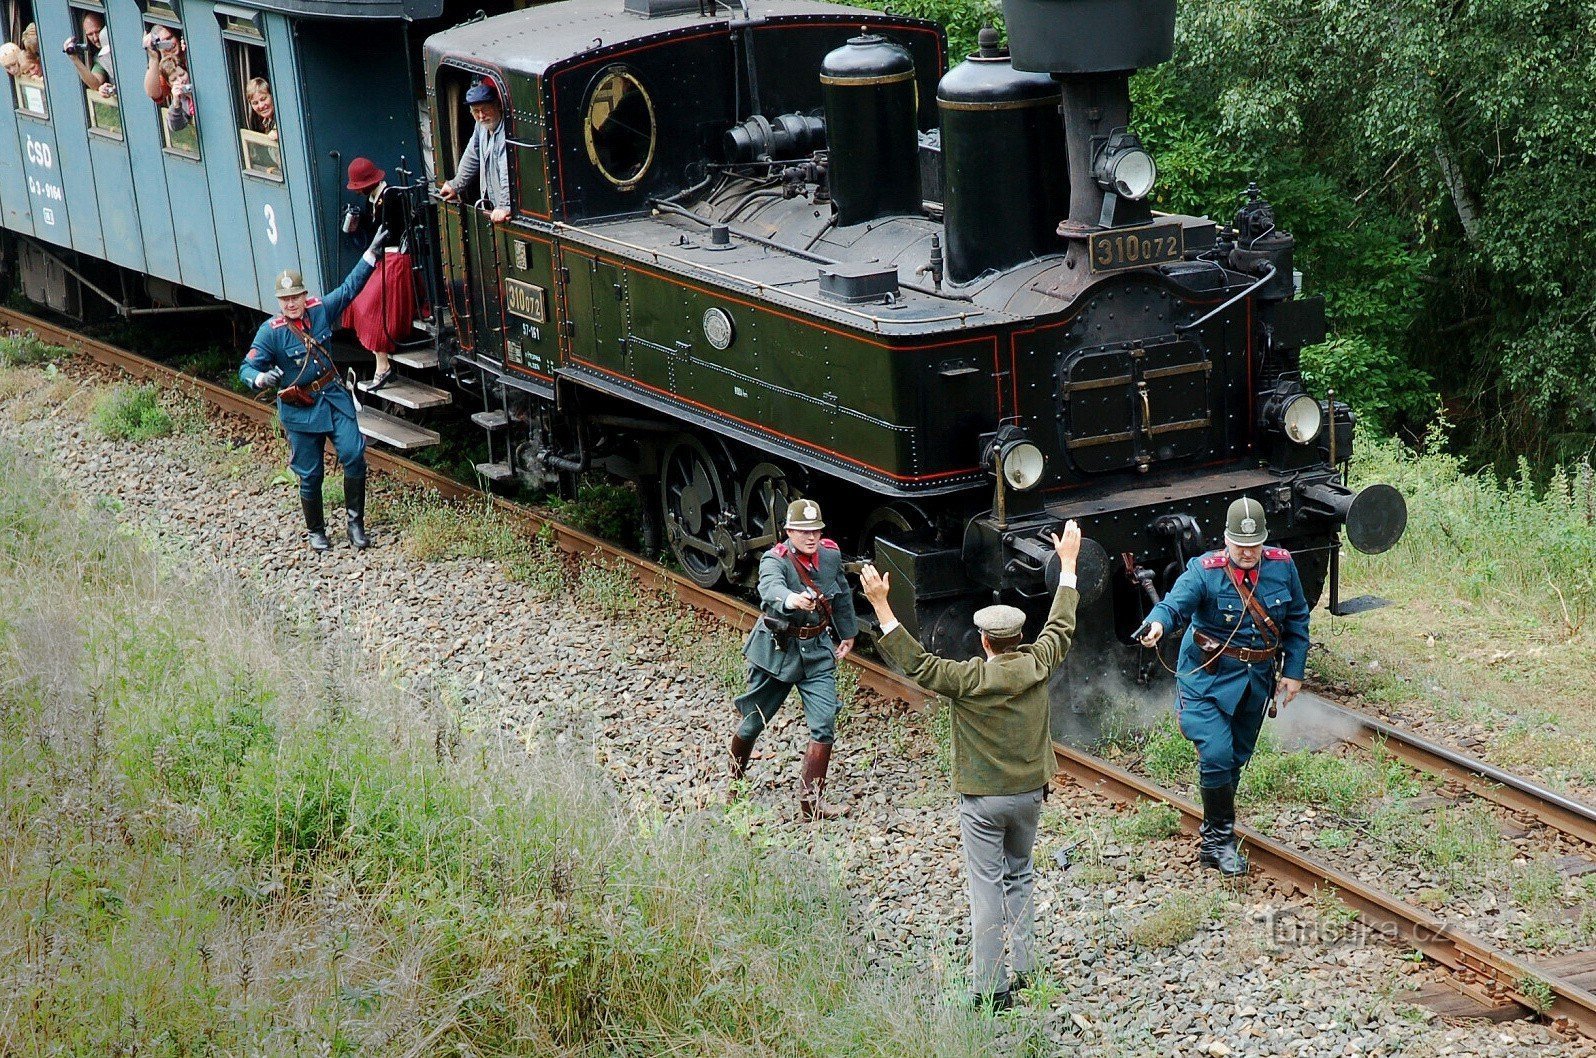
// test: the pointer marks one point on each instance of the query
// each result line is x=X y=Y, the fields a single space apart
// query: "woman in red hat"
x=382 y=314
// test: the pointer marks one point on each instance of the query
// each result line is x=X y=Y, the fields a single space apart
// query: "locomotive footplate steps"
x=497 y=419
x=409 y=393
x=495 y=472
x=396 y=432
x=420 y=359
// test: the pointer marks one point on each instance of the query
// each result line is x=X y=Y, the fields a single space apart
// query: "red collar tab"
x=827 y=543
x=1278 y=554
x=312 y=302
x=1215 y=560
x=279 y=321
x=780 y=551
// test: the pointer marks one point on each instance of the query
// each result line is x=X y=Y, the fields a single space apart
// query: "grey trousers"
x=999 y=831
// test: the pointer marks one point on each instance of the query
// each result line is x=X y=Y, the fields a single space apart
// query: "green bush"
x=17 y=350
x=131 y=413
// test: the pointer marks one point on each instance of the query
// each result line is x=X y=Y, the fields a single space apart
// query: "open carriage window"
x=89 y=51
x=454 y=118
x=19 y=56
x=254 y=106
x=167 y=80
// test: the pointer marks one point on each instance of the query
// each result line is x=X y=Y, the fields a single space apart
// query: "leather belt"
x=810 y=631
x=1248 y=655
x=321 y=383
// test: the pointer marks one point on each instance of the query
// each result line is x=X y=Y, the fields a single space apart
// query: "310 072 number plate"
x=1120 y=248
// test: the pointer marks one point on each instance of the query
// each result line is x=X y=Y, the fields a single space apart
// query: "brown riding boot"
x=741 y=750
x=811 y=802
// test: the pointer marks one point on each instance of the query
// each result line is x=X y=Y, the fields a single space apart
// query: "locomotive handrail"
x=1267 y=276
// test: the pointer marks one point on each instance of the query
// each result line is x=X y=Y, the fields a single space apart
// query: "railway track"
x=1495 y=979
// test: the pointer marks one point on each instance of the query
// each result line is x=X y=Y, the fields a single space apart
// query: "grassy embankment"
x=222 y=838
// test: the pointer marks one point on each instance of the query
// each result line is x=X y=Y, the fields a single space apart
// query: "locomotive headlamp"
x=1016 y=458
x=1301 y=419
x=1124 y=167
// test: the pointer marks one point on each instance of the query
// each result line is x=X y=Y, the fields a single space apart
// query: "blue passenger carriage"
x=110 y=194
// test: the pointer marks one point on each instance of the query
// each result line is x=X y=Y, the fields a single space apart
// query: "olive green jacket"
x=802 y=658
x=1002 y=741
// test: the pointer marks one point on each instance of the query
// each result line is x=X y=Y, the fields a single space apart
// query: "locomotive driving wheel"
x=762 y=507
x=693 y=502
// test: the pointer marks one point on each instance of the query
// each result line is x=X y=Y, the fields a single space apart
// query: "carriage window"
x=89 y=51
x=19 y=55
x=167 y=82
x=254 y=106
x=619 y=127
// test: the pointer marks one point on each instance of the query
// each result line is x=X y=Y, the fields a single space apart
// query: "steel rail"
x=1487 y=973
x=873 y=676
x=1516 y=794
x=1498 y=975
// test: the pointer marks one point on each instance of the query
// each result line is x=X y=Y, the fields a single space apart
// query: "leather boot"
x=741 y=750
x=315 y=521
x=811 y=800
x=355 y=508
x=1217 y=844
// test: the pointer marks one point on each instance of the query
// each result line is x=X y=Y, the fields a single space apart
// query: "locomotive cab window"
x=89 y=51
x=168 y=83
x=254 y=105
x=458 y=156
x=619 y=127
x=19 y=55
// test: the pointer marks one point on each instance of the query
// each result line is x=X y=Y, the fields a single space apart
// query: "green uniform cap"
x=804 y=514
x=1000 y=622
x=1244 y=524
x=288 y=284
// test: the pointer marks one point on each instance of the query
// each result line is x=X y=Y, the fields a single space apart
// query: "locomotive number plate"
x=524 y=300
x=1120 y=248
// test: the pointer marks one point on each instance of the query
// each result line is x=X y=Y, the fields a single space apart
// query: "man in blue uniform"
x=290 y=350
x=807 y=627
x=1247 y=643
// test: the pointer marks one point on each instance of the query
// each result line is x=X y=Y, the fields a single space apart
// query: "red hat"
x=364 y=174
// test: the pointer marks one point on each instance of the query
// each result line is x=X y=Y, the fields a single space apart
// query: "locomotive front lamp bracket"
x=1294 y=413
x=1015 y=459
x=1124 y=167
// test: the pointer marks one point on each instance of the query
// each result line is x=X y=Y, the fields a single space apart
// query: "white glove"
x=268 y=379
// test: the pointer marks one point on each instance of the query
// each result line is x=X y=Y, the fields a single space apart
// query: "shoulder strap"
x=1260 y=616
x=809 y=582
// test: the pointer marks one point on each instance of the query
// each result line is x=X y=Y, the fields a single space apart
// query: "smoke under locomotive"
x=773 y=253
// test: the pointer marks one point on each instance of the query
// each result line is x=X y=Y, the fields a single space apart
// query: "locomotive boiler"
x=776 y=251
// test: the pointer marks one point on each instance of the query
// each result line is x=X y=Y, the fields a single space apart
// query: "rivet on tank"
x=870 y=104
x=999 y=215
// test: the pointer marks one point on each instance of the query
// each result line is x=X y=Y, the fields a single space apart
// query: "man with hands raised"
x=1002 y=759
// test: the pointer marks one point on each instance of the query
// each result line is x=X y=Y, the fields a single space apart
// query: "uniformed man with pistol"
x=290 y=352
x=807 y=627
x=1246 y=645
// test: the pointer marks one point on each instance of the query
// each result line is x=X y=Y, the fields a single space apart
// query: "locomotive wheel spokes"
x=693 y=502
x=903 y=522
x=763 y=506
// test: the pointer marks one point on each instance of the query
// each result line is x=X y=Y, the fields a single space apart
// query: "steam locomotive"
x=773 y=251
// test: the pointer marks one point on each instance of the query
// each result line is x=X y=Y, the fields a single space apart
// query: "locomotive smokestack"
x=1091 y=47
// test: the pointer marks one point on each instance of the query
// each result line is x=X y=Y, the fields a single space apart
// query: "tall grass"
x=1482 y=538
x=221 y=839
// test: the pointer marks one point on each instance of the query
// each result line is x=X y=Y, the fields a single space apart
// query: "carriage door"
x=1135 y=404
x=595 y=306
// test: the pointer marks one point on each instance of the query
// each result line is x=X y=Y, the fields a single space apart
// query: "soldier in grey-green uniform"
x=807 y=627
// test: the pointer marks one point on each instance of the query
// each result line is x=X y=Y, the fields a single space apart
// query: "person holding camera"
x=807 y=628
x=1002 y=759
x=181 y=114
x=290 y=352
x=163 y=42
x=484 y=159
x=90 y=53
x=1245 y=648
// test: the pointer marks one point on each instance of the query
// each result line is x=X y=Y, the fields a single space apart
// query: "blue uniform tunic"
x=278 y=344
x=1221 y=705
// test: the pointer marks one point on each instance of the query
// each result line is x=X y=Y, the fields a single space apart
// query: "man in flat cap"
x=484 y=161
x=1002 y=759
x=807 y=628
x=290 y=352
x=1247 y=642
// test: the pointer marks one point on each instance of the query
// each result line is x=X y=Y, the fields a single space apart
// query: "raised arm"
x=937 y=675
